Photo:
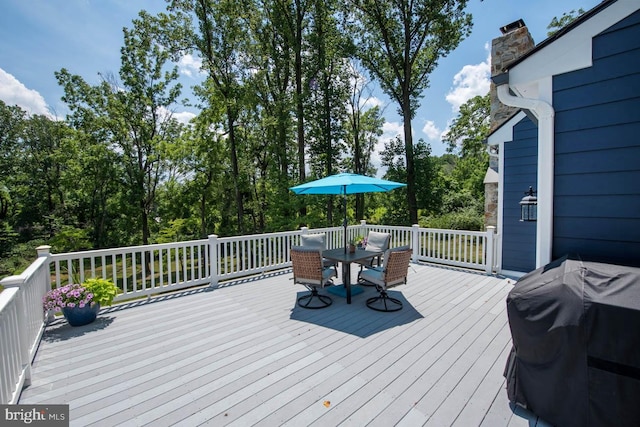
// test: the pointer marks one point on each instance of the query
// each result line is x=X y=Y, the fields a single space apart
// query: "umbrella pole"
x=344 y=223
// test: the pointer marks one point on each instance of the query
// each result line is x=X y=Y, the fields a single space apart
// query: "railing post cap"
x=12 y=281
x=213 y=236
x=363 y=222
x=43 y=250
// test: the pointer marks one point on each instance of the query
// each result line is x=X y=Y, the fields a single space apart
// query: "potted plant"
x=358 y=241
x=80 y=304
x=103 y=290
x=355 y=241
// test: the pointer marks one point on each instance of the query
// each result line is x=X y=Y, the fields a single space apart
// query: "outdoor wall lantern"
x=529 y=206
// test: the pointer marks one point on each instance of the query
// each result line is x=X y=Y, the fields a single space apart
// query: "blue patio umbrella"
x=346 y=183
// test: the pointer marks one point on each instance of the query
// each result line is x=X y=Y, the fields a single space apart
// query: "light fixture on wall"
x=529 y=206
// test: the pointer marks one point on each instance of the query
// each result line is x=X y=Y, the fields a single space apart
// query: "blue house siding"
x=597 y=150
x=520 y=172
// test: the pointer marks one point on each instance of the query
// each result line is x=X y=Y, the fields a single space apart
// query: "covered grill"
x=575 y=360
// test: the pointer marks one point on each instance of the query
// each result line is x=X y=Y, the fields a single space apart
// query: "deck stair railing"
x=141 y=271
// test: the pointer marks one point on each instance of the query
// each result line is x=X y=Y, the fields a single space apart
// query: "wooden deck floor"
x=244 y=354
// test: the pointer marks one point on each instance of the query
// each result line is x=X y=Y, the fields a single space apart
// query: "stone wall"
x=491 y=198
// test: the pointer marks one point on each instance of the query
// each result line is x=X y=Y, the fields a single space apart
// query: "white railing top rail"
x=120 y=250
x=21 y=325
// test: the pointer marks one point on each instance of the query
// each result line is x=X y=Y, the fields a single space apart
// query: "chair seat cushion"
x=373 y=275
x=328 y=273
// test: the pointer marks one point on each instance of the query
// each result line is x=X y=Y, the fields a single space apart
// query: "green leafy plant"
x=357 y=240
x=103 y=290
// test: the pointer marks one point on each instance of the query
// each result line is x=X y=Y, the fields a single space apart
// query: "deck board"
x=243 y=353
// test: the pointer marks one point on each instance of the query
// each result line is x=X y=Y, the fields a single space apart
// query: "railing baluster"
x=152 y=266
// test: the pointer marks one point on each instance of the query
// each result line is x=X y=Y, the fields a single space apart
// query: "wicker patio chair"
x=309 y=271
x=393 y=273
x=318 y=241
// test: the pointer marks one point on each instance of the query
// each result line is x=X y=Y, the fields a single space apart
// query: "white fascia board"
x=572 y=51
x=505 y=131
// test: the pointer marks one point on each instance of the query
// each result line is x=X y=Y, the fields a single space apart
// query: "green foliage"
x=470 y=128
x=400 y=44
x=70 y=239
x=103 y=290
x=281 y=92
x=18 y=257
x=464 y=219
x=557 y=24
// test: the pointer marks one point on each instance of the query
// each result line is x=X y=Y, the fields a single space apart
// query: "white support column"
x=546 y=138
x=213 y=259
x=490 y=249
x=44 y=251
x=415 y=242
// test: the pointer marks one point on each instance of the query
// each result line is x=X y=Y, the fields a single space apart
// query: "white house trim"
x=531 y=80
x=572 y=51
x=545 y=114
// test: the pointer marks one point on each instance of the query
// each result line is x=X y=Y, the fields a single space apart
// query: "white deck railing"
x=140 y=271
x=21 y=326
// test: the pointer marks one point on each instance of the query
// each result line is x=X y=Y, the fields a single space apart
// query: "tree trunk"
x=411 y=178
x=299 y=99
x=235 y=170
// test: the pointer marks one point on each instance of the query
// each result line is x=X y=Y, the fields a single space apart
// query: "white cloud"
x=431 y=130
x=371 y=102
x=189 y=65
x=12 y=92
x=390 y=130
x=470 y=81
x=184 y=117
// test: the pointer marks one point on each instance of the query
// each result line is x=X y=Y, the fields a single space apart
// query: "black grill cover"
x=575 y=326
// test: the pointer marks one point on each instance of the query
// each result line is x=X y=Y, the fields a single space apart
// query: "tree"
x=218 y=32
x=469 y=130
x=294 y=13
x=134 y=119
x=400 y=43
x=363 y=128
x=429 y=193
x=44 y=153
x=328 y=93
x=466 y=137
x=11 y=128
x=557 y=24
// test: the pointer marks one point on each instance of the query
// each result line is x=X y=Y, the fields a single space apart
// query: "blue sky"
x=39 y=37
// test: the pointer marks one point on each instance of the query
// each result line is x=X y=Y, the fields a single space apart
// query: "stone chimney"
x=513 y=44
